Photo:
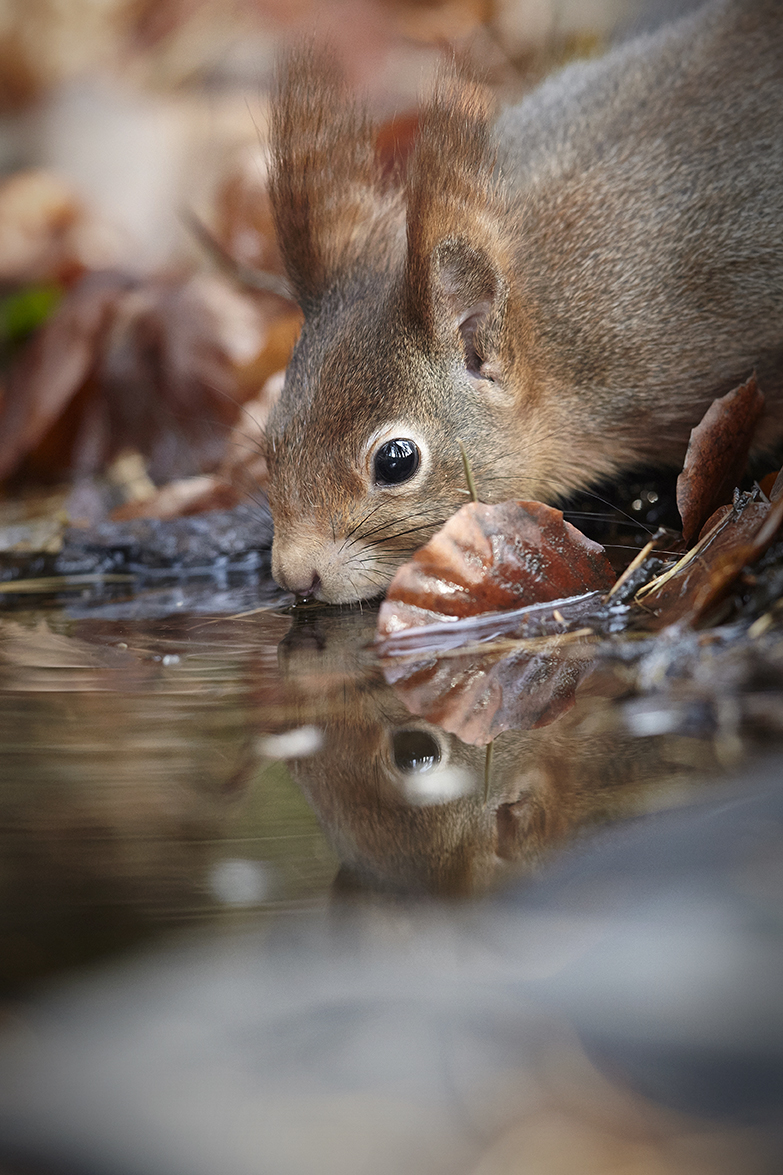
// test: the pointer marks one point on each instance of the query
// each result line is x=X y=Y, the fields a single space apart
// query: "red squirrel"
x=564 y=289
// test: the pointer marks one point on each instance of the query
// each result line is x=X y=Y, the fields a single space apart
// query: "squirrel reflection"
x=403 y=802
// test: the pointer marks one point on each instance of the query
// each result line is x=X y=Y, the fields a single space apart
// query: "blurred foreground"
x=621 y=1014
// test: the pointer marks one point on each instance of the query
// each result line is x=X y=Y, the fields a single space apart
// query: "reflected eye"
x=396 y=461
x=415 y=751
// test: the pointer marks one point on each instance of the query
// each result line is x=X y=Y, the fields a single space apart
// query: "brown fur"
x=565 y=292
x=324 y=225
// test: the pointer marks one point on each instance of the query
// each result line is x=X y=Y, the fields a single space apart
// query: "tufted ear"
x=454 y=271
x=326 y=185
x=467 y=292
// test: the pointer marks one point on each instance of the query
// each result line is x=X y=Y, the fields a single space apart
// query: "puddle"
x=187 y=770
x=132 y=794
x=221 y=813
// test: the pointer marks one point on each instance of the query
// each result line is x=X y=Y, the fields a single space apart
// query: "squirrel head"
x=565 y=291
x=411 y=335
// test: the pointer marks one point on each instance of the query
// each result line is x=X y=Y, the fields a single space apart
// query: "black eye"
x=396 y=461
x=415 y=751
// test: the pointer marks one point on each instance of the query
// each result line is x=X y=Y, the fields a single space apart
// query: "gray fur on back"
x=648 y=186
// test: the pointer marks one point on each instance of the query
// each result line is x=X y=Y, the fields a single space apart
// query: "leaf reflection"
x=402 y=800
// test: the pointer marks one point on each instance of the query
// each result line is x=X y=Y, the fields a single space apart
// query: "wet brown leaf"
x=490 y=558
x=717 y=455
x=481 y=675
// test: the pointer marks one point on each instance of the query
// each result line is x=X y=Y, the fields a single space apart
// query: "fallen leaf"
x=55 y=365
x=37 y=212
x=180 y=499
x=717 y=455
x=160 y=366
x=732 y=538
x=491 y=558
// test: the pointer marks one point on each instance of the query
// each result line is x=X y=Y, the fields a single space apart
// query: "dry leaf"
x=159 y=366
x=733 y=538
x=37 y=211
x=180 y=499
x=55 y=366
x=490 y=558
x=717 y=455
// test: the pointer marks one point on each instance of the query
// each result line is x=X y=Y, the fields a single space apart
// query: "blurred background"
x=135 y=227
x=142 y=107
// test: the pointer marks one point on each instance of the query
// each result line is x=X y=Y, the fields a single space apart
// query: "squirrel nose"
x=311 y=589
x=295 y=566
x=301 y=583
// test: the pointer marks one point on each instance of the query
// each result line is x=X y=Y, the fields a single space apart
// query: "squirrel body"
x=564 y=291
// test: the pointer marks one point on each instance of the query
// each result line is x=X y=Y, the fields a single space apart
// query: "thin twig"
x=53 y=583
x=245 y=275
x=636 y=562
x=658 y=582
x=487 y=771
x=537 y=645
x=468 y=474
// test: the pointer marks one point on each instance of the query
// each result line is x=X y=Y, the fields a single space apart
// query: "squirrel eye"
x=415 y=751
x=396 y=461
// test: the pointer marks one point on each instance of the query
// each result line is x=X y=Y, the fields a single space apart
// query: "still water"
x=188 y=769
x=249 y=794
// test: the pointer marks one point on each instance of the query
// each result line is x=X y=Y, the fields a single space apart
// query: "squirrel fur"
x=565 y=288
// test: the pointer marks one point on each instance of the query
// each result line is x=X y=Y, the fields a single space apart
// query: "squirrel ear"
x=468 y=291
x=326 y=184
x=455 y=212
